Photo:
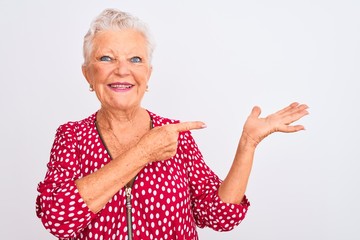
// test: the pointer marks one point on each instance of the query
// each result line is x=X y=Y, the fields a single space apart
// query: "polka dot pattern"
x=169 y=198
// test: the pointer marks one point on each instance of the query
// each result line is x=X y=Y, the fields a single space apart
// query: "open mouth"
x=121 y=86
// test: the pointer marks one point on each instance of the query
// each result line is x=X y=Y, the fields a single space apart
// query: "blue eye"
x=105 y=59
x=136 y=60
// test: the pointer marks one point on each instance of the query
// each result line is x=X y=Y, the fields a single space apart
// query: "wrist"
x=247 y=142
x=140 y=155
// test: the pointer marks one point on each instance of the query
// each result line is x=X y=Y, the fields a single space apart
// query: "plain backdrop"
x=213 y=62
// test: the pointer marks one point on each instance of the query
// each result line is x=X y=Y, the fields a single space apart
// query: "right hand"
x=160 y=143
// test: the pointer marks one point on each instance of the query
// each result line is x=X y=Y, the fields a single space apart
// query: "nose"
x=122 y=67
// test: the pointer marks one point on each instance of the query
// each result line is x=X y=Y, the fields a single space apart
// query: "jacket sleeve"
x=59 y=204
x=207 y=207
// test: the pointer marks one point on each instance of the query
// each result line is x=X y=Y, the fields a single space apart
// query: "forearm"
x=233 y=188
x=99 y=187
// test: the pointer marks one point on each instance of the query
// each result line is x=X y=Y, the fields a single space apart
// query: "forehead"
x=120 y=41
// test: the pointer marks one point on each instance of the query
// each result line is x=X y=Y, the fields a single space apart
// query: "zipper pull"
x=128 y=191
x=128 y=199
x=128 y=212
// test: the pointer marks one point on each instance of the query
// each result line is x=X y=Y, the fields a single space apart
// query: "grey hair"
x=113 y=19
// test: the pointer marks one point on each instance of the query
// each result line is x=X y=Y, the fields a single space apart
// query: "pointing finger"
x=187 y=126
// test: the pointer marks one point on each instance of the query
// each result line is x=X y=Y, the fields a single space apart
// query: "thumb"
x=255 y=112
x=187 y=126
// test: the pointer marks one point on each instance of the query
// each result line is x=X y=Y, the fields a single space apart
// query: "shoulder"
x=80 y=125
x=160 y=121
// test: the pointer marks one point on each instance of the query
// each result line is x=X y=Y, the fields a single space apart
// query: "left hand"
x=257 y=128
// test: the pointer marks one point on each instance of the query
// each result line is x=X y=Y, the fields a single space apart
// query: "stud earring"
x=147 y=89
x=91 y=89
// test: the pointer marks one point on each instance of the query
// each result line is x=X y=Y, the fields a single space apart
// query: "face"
x=119 y=68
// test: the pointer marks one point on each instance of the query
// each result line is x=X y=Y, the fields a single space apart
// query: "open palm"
x=259 y=128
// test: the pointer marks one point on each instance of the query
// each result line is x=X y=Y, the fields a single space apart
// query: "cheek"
x=145 y=75
x=99 y=74
x=140 y=78
x=96 y=70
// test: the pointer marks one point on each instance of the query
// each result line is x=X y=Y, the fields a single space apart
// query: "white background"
x=214 y=60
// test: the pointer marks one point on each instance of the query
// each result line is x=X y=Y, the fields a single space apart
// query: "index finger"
x=187 y=126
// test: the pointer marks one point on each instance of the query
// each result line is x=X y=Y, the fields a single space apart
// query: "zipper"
x=128 y=188
x=128 y=212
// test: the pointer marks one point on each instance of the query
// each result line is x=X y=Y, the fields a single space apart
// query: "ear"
x=85 y=73
x=149 y=74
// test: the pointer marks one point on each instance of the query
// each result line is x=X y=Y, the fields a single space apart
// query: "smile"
x=120 y=86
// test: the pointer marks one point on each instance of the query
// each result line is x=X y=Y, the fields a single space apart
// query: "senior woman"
x=127 y=173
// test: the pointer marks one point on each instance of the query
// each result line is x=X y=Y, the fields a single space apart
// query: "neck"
x=111 y=119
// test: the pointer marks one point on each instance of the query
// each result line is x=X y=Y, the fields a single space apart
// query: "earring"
x=91 y=89
x=147 y=88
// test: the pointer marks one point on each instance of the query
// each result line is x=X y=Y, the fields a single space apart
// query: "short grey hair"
x=113 y=19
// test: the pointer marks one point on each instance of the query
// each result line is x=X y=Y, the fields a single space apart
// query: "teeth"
x=121 y=86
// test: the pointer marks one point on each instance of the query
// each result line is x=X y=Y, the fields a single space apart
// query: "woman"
x=125 y=172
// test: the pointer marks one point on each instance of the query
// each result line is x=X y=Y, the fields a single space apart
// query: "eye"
x=136 y=60
x=105 y=59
